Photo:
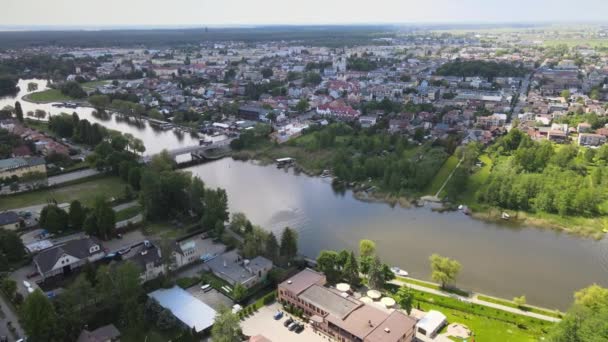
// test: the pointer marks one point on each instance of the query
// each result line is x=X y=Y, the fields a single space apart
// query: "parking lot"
x=263 y=323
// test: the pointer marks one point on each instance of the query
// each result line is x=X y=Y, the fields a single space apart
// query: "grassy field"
x=93 y=84
x=85 y=191
x=441 y=176
x=50 y=95
x=573 y=42
x=524 y=308
x=487 y=324
x=478 y=178
x=128 y=213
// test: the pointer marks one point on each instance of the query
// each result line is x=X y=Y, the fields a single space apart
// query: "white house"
x=64 y=258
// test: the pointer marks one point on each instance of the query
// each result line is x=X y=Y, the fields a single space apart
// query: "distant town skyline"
x=188 y=13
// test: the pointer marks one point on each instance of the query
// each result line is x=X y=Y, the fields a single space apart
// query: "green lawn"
x=478 y=178
x=128 y=213
x=487 y=324
x=85 y=191
x=50 y=95
x=94 y=84
x=446 y=169
x=524 y=308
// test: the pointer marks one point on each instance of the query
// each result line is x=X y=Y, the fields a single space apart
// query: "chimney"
x=225 y=264
x=387 y=330
x=370 y=323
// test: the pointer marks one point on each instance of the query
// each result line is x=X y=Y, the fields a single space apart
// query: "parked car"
x=300 y=328
x=278 y=315
x=288 y=322
x=292 y=326
x=206 y=288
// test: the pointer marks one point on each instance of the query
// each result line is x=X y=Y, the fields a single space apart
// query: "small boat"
x=399 y=272
x=505 y=216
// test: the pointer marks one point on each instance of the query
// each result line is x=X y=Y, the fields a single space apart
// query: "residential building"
x=107 y=333
x=231 y=267
x=62 y=259
x=193 y=248
x=20 y=166
x=9 y=220
x=590 y=139
x=148 y=258
x=341 y=316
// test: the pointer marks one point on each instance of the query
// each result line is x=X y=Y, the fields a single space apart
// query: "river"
x=155 y=140
x=545 y=265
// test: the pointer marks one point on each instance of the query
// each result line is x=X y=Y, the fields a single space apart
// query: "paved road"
x=473 y=299
x=124 y=206
x=9 y=315
x=68 y=177
x=133 y=220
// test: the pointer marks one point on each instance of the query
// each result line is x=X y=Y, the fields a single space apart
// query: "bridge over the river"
x=198 y=150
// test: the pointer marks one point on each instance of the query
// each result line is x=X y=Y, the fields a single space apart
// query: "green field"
x=573 y=42
x=441 y=176
x=85 y=191
x=487 y=324
x=93 y=84
x=50 y=95
x=478 y=178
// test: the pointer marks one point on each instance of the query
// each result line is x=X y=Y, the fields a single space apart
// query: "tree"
x=99 y=102
x=53 y=218
x=18 y=111
x=586 y=319
x=289 y=244
x=39 y=317
x=375 y=274
x=238 y=292
x=271 y=247
x=302 y=105
x=367 y=248
x=565 y=94
x=520 y=301
x=267 y=72
x=106 y=219
x=216 y=207
x=350 y=273
x=76 y=215
x=326 y=263
x=405 y=298
x=226 y=327
x=591 y=296
x=444 y=270
x=9 y=287
x=11 y=246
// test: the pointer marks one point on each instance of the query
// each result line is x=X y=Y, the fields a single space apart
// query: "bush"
x=186 y=282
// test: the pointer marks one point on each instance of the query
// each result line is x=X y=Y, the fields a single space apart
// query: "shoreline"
x=478 y=212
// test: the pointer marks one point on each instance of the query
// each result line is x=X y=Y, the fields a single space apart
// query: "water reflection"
x=545 y=265
x=155 y=140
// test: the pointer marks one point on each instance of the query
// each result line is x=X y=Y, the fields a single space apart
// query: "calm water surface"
x=545 y=265
x=154 y=140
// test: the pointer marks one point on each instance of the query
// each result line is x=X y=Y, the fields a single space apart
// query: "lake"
x=498 y=259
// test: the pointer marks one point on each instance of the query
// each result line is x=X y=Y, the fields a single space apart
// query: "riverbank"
x=314 y=163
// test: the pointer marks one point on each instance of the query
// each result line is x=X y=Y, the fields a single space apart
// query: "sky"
x=91 y=13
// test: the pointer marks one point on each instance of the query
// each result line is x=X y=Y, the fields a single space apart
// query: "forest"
x=543 y=177
x=488 y=69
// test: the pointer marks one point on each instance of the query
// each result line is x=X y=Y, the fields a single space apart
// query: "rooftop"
x=8 y=217
x=185 y=307
x=431 y=321
x=329 y=301
x=302 y=281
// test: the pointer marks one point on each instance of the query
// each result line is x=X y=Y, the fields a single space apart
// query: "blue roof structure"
x=185 y=307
